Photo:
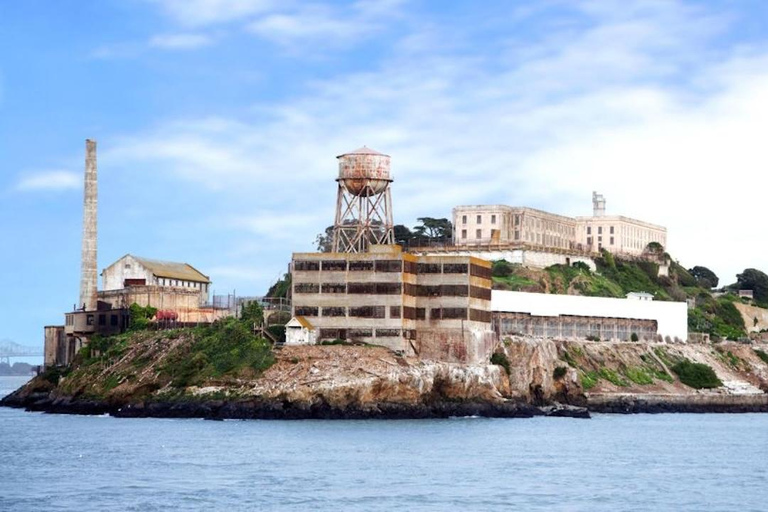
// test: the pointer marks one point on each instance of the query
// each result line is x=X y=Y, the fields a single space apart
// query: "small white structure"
x=640 y=296
x=671 y=317
x=298 y=331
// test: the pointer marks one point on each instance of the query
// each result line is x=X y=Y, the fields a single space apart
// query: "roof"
x=365 y=150
x=173 y=270
x=301 y=321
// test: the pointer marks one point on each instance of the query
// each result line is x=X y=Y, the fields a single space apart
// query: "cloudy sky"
x=218 y=123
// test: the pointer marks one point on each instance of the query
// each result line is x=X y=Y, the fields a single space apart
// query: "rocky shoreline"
x=38 y=401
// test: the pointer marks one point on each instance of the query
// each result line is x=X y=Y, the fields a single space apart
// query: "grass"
x=514 y=282
x=640 y=375
x=613 y=377
x=762 y=355
x=589 y=380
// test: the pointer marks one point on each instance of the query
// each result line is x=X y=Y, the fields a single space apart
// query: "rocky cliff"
x=141 y=376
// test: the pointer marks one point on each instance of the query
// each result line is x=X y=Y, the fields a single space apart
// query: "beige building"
x=487 y=225
x=499 y=224
x=617 y=234
x=434 y=307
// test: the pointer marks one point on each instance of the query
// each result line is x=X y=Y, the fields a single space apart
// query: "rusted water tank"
x=364 y=172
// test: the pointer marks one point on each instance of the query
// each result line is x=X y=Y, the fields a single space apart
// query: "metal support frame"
x=362 y=220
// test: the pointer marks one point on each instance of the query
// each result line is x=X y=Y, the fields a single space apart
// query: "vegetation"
x=762 y=355
x=559 y=372
x=589 y=380
x=704 y=277
x=281 y=288
x=140 y=316
x=430 y=230
x=696 y=375
x=500 y=359
x=755 y=280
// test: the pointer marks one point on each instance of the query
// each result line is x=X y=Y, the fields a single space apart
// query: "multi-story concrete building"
x=434 y=307
x=489 y=225
x=499 y=224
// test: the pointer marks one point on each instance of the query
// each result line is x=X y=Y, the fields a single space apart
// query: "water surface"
x=643 y=462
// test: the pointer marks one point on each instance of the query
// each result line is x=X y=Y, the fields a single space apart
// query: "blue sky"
x=218 y=123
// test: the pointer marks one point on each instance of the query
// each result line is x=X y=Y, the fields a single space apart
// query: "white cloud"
x=49 y=180
x=197 y=13
x=180 y=41
x=640 y=109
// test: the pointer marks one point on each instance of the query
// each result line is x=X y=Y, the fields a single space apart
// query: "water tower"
x=364 y=203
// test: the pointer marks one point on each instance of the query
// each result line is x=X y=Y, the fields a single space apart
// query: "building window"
x=600 y=230
x=589 y=240
x=611 y=229
x=589 y=230
x=479 y=233
x=517 y=235
x=479 y=219
x=493 y=219
x=305 y=311
x=335 y=311
x=306 y=265
x=368 y=312
x=463 y=233
x=360 y=265
x=611 y=240
x=113 y=320
x=599 y=239
x=102 y=319
x=394 y=312
x=463 y=219
x=89 y=320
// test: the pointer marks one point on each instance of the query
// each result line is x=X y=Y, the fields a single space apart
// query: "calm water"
x=665 y=462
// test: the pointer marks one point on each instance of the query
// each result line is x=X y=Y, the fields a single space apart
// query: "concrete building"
x=434 y=307
x=576 y=317
x=132 y=271
x=493 y=226
x=617 y=234
x=499 y=224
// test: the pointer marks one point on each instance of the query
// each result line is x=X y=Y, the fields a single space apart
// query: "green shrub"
x=696 y=375
x=500 y=359
x=53 y=374
x=634 y=337
x=592 y=337
x=762 y=355
x=581 y=267
x=502 y=268
x=140 y=316
x=559 y=372
x=337 y=341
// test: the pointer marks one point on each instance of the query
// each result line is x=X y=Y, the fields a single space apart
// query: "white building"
x=133 y=271
x=573 y=316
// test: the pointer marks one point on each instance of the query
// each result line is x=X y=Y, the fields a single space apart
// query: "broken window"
x=387 y=333
x=307 y=288
x=334 y=265
x=360 y=265
x=334 y=288
x=368 y=312
x=478 y=271
x=388 y=288
x=389 y=266
x=477 y=292
x=364 y=288
x=335 y=311
x=305 y=311
x=448 y=313
x=360 y=333
x=455 y=268
x=394 y=312
x=429 y=268
x=454 y=290
x=306 y=265
x=410 y=267
x=478 y=315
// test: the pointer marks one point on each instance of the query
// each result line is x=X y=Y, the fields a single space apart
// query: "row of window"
x=162 y=281
x=408 y=313
x=331 y=334
x=408 y=267
x=479 y=219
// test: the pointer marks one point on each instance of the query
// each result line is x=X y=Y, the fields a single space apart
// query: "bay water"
x=680 y=462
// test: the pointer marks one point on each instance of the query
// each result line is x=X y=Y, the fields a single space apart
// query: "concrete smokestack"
x=89 y=272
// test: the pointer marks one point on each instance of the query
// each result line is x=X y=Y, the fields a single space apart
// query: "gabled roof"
x=303 y=322
x=173 y=270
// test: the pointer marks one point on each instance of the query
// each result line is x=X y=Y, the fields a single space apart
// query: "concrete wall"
x=55 y=351
x=525 y=257
x=184 y=301
x=671 y=317
x=630 y=236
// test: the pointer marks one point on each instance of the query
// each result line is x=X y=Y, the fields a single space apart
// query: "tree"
x=438 y=230
x=704 y=277
x=755 y=280
x=251 y=313
x=324 y=241
x=403 y=235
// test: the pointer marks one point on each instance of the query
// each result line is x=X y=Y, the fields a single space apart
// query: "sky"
x=218 y=123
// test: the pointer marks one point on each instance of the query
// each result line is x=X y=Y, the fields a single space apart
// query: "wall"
x=671 y=317
x=525 y=257
x=55 y=351
x=184 y=301
x=113 y=277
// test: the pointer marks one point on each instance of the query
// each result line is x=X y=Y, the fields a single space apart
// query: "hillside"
x=614 y=277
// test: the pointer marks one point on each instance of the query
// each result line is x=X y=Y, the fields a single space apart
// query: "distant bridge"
x=9 y=349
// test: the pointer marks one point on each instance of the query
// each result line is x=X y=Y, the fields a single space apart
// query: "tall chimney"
x=89 y=272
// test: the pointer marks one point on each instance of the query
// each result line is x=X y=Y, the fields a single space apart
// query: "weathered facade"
x=133 y=271
x=490 y=226
x=430 y=306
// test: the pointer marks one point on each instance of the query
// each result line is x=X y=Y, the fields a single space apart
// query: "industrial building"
x=577 y=317
x=368 y=290
x=489 y=226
